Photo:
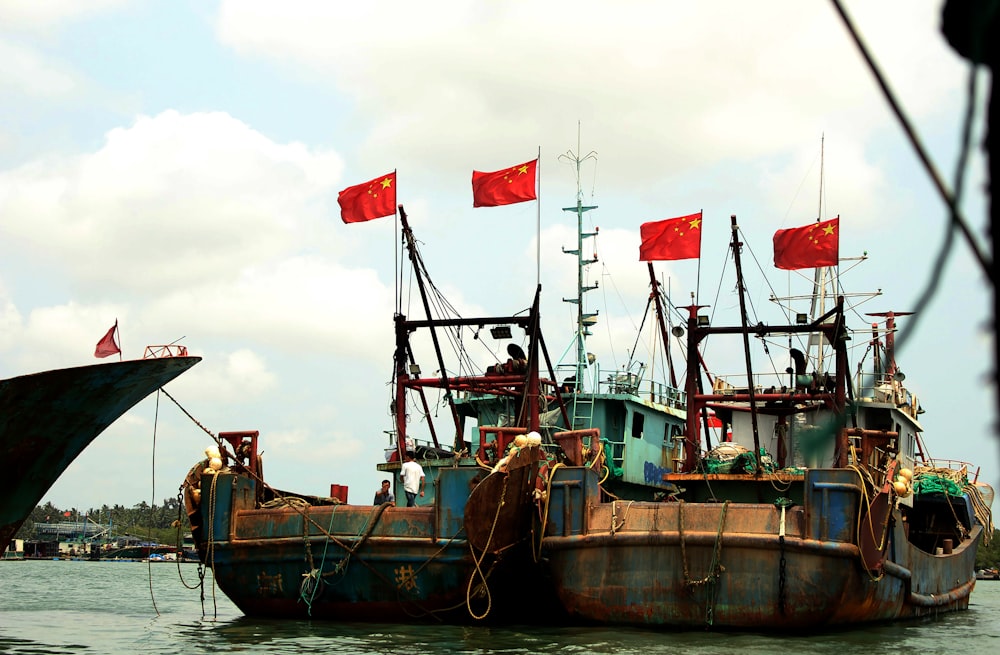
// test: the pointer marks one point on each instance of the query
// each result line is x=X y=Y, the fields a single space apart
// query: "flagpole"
x=119 y=333
x=538 y=218
x=397 y=276
x=697 y=281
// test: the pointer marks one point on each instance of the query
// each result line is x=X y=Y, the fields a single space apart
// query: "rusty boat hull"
x=47 y=419
x=320 y=559
x=724 y=565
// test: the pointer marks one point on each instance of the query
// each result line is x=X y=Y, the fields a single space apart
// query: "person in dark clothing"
x=383 y=495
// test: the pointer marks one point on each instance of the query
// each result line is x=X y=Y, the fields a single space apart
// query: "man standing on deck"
x=413 y=479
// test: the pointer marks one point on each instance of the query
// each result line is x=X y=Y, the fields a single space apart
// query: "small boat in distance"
x=817 y=504
x=47 y=419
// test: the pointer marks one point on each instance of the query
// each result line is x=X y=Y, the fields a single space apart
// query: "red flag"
x=673 y=238
x=67 y=513
x=812 y=246
x=514 y=184
x=374 y=199
x=107 y=346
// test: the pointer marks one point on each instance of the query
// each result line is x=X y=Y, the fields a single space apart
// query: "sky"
x=175 y=166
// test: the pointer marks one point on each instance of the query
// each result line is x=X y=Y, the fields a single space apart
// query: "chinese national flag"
x=373 y=199
x=107 y=346
x=514 y=184
x=673 y=238
x=811 y=246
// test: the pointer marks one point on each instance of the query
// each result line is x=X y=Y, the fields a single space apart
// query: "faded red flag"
x=673 y=238
x=373 y=199
x=514 y=184
x=811 y=246
x=107 y=346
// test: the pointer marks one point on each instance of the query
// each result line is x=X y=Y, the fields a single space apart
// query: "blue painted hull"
x=368 y=563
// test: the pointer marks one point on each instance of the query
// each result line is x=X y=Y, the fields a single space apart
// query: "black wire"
x=952 y=201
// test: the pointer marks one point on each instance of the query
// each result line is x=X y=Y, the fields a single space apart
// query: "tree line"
x=988 y=556
x=155 y=522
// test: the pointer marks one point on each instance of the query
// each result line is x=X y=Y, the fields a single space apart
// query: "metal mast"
x=583 y=319
x=821 y=275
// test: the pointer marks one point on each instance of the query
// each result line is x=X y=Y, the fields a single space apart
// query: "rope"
x=152 y=503
x=715 y=569
x=866 y=503
x=363 y=535
x=180 y=543
x=614 y=515
x=477 y=561
x=311 y=580
x=983 y=512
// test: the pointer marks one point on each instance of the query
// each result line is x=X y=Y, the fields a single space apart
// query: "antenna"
x=583 y=319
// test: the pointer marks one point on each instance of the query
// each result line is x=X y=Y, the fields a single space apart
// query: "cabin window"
x=638 y=419
x=879 y=419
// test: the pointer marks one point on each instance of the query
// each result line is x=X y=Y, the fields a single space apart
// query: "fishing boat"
x=457 y=555
x=47 y=419
x=816 y=504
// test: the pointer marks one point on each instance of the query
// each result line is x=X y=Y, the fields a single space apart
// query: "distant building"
x=68 y=530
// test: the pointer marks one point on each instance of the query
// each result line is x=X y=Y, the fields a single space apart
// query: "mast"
x=583 y=319
x=692 y=387
x=401 y=373
x=821 y=275
x=655 y=297
x=741 y=290
x=892 y=371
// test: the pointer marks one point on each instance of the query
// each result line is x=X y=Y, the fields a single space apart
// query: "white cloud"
x=742 y=79
x=202 y=188
x=32 y=73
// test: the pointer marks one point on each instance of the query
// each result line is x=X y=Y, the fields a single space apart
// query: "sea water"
x=87 y=608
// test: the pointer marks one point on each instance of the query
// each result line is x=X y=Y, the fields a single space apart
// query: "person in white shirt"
x=413 y=479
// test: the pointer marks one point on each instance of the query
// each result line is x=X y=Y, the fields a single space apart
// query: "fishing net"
x=929 y=480
x=734 y=458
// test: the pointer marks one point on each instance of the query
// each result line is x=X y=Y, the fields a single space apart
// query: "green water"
x=134 y=607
